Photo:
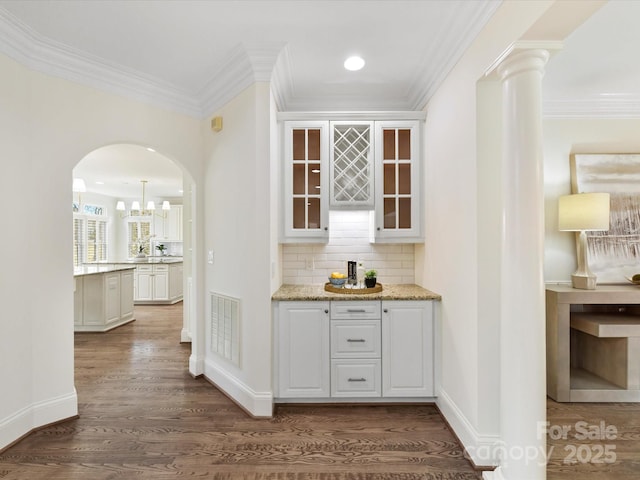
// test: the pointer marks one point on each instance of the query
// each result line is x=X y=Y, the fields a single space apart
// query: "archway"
x=109 y=229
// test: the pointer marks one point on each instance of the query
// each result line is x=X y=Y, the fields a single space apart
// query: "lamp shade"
x=135 y=205
x=151 y=205
x=583 y=212
x=166 y=205
x=120 y=206
x=78 y=185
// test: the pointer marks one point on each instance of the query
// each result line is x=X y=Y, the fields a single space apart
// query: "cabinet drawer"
x=144 y=268
x=354 y=310
x=161 y=268
x=355 y=339
x=355 y=378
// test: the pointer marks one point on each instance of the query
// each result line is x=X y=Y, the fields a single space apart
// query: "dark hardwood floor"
x=593 y=441
x=142 y=416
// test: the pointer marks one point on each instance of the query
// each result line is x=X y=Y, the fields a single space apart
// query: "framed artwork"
x=615 y=254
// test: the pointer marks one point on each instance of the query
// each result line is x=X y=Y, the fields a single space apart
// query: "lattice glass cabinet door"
x=351 y=164
x=306 y=195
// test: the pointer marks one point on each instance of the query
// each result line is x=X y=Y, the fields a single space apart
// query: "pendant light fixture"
x=136 y=206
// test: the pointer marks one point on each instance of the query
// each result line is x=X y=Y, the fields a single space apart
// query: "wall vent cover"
x=225 y=327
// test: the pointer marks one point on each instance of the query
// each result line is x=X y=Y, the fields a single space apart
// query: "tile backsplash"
x=348 y=240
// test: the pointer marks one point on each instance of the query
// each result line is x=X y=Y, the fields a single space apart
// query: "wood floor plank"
x=602 y=441
x=142 y=416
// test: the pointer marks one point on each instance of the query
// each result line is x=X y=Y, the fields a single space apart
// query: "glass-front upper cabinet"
x=397 y=211
x=351 y=164
x=305 y=182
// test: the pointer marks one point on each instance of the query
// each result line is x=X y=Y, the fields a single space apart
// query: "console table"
x=593 y=343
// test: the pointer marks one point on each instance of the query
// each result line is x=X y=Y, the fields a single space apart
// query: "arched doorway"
x=130 y=199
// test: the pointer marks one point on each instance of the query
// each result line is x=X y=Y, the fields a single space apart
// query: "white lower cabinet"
x=355 y=377
x=407 y=349
x=303 y=353
x=354 y=349
x=158 y=283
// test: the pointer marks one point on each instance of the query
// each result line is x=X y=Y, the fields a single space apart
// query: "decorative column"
x=523 y=371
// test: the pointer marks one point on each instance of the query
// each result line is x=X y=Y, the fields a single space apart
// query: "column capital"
x=523 y=61
x=521 y=56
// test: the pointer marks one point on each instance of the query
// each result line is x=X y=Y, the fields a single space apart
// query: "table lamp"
x=583 y=212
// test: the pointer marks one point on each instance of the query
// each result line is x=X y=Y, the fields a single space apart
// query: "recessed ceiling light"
x=354 y=63
x=150 y=149
x=98 y=182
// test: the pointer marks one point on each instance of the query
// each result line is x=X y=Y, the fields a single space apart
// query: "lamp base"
x=583 y=282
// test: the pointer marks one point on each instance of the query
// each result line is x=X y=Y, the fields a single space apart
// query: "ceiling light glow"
x=354 y=63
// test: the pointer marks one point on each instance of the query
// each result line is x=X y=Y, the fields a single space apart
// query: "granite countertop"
x=389 y=292
x=93 y=269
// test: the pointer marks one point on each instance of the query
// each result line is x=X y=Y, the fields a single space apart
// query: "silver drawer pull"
x=356 y=310
x=361 y=340
x=357 y=379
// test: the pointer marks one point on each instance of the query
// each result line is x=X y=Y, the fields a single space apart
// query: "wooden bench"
x=607 y=345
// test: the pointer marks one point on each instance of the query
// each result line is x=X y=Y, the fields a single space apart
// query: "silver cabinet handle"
x=361 y=379
x=386 y=311
x=362 y=340
x=356 y=310
x=326 y=311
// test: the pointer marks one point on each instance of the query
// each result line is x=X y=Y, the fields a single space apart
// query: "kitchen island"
x=103 y=297
x=157 y=280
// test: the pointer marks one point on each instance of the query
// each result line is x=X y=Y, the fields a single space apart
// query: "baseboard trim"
x=493 y=475
x=196 y=366
x=36 y=416
x=480 y=450
x=256 y=404
x=185 y=336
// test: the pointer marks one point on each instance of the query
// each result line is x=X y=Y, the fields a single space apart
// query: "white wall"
x=451 y=263
x=48 y=125
x=239 y=232
x=563 y=137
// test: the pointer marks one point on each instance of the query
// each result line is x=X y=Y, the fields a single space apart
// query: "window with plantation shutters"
x=89 y=235
x=138 y=235
x=96 y=240
x=78 y=241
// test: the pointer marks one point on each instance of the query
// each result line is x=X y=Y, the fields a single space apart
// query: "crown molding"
x=351 y=115
x=26 y=46
x=245 y=65
x=425 y=85
x=624 y=108
x=282 y=79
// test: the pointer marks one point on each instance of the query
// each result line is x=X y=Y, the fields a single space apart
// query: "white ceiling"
x=193 y=56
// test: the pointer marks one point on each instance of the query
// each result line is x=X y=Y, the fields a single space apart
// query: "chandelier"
x=136 y=206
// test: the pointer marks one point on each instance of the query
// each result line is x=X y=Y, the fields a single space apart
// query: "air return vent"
x=225 y=327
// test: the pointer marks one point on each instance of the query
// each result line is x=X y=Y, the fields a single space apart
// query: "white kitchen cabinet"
x=303 y=362
x=158 y=283
x=168 y=225
x=176 y=289
x=126 y=293
x=365 y=162
x=407 y=349
x=306 y=192
x=354 y=349
x=351 y=164
x=397 y=208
